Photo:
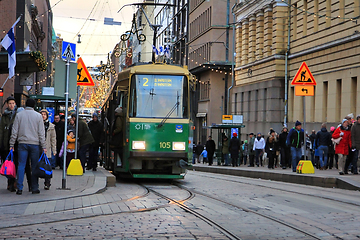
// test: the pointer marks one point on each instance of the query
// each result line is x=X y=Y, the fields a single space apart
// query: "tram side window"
x=132 y=103
x=185 y=99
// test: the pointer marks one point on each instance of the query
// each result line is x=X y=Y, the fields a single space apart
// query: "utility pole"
x=227 y=56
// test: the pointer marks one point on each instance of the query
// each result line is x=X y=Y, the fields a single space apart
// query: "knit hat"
x=297 y=123
x=9 y=99
x=234 y=134
x=95 y=115
x=30 y=103
x=332 y=128
x=45 y=111
x=251 y=133
x=245 y=141
x=344 y=120
x=70 y=130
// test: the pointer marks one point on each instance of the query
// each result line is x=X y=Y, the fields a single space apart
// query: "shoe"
x=294 y=170
x=19 y=192
x=341 y=173
x=94 y=169
x=356 y=173
x=12 y=189
x=36 y=192
x=345 y=172
x=283 y=167
x=47 y=187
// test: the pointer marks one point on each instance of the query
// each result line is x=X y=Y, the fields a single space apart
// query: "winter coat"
x=225 y=148
x=117 y=132
x=234 y=147
x=199 y=149
x=204 y=153
x=295 y=138
x=50 y=140
x=282 y=140
x=59 y=129
x=323 y=138
x=85 y=136
x=271 y=145
x=210 y=147
x=245 y=149
x=251 y=146
x=259 y=144
x=6 y=123
x=345 y=143
x=97 y=131
x=355 y=136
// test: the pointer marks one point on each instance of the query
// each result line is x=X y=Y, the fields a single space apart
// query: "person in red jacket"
x=342 y=149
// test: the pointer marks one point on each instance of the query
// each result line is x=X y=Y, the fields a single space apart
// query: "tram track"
x=283 y=190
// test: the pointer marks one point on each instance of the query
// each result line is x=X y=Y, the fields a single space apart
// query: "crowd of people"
x=338 y=148
x=29 y=134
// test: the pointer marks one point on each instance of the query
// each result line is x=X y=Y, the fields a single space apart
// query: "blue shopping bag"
x=43 y=167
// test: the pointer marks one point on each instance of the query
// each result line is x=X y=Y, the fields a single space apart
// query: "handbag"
x=337 y=140
x=43 y=167
x=8 y=168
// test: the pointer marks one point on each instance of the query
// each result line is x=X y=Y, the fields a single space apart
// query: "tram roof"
x=154 y=68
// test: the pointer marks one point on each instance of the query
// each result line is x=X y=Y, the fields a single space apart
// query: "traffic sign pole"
x=304 y=108
x=66 y=120
x=77 y=122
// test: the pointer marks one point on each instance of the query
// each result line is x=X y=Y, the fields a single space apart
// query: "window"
x=353 y=95
x=159 y=96
x=338 y=100
x=325 y=101
x=204 y=90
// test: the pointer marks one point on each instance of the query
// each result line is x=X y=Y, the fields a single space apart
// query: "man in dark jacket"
x=322 y=143
x=199 y=149
x=355 y=142
x=59 y=129
x=210 y=148
x=85 y=138
x=251 y=151
x=295 y=139
x=97 y=131
x=234 y=148
x=284 y=149
x=312 y=141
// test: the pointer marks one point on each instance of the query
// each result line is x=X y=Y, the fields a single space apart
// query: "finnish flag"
x=8 y=43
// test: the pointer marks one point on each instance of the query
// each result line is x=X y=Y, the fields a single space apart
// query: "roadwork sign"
x=83 y=75
x=304 y=77
x=304 y=90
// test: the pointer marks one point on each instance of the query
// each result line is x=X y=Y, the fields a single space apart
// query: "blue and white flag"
x=161 y=50
x=8 y=43
x=167 y=52
x=155 y=50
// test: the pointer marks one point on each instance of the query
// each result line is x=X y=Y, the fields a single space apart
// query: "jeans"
x=295 y=155
x=226 y=159
x=323 y=155
x=257 y=156
x=33 y=151
x=82 y=154
x=285 y=155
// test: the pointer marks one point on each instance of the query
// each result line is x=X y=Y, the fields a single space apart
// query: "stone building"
x=324 y=34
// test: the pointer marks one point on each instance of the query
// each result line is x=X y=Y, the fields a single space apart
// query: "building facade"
x=269 y=33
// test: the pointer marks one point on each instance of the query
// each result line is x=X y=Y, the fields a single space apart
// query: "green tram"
x=157 y=134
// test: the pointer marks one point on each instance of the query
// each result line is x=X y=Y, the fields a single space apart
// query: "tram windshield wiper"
x=169 y=114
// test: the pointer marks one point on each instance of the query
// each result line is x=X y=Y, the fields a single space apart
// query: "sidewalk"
x=87 y=184
x=321 y=178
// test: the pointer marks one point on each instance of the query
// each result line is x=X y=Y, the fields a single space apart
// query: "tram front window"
x=161 y=95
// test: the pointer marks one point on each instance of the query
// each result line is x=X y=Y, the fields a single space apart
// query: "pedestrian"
x=322 y=143
x=194 y=154
x=295 y=140
x=204 y=154
x=343 y=136
x=85 y=138
x=259 y=146
x=117 y=142
x=199 y=149
x=97 y=132
x=70 y=147
x=225 y=150
x=355 y=141
x=210 y=148
x=271 y=148
x=59 y=129
x=251 y=150
x=234 y=147
x=245 y=148
x=71 y=125
x=284 y=149
x=6 y=123
x=349 y=157
x=50 y=139
x=331 y=152
x=311 y=145
x=28 y=130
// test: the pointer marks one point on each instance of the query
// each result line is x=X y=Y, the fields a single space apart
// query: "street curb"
x=110 y=179
x=319 y=181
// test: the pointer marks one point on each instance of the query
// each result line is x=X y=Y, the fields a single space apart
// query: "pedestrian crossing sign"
x=83 y=76
x=68 y=51
x=303 y=76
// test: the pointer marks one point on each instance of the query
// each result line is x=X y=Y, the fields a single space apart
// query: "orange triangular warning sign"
x=83 y=75
x=303 y=76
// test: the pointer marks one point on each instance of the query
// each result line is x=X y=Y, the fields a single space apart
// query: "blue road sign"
x=68 y=51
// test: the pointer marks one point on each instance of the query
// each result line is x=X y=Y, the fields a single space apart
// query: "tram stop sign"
x=304 y=81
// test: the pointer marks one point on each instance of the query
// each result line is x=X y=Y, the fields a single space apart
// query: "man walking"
x=322 y=143
x=28 y=130
x=355 y=141
x=85 y=138
x=97 y=131
x=210 y=148
x=251 y=151
x=234 y=148
x=59 y=129
x=259 y=147
x=295 y=139
x=284 y=149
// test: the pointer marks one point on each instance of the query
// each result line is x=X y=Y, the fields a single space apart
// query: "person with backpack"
x=295 y=140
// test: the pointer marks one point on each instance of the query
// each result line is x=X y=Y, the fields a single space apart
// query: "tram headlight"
x=178 y=146
x=139 y=145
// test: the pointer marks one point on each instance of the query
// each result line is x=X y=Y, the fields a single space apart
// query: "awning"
x=201 y=115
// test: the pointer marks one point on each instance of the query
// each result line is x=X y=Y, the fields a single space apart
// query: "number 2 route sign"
x=304 y=76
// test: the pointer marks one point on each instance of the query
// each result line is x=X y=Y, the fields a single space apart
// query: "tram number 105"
x=165 y=144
